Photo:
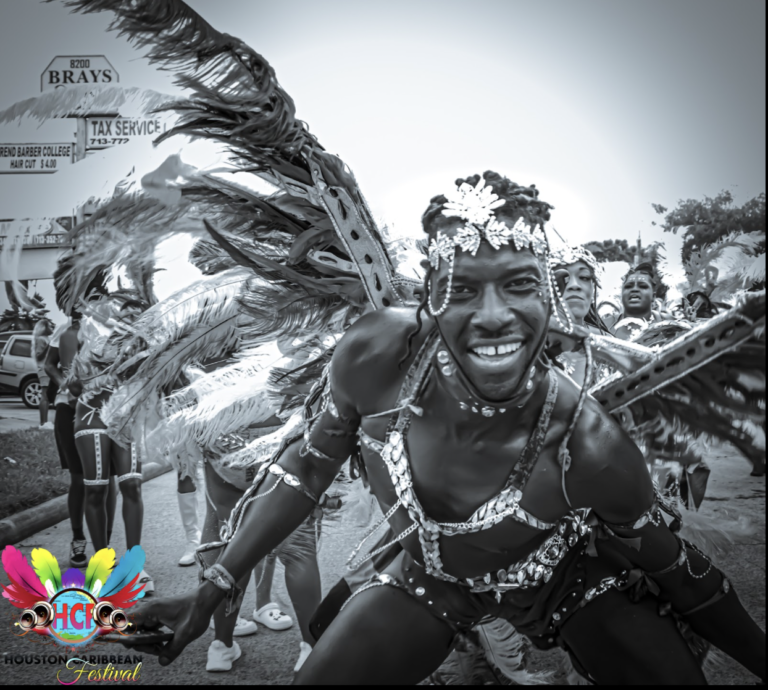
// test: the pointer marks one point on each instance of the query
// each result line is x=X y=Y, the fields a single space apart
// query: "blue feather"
x=130 y=566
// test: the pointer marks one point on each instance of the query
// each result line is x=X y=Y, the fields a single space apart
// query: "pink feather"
x=21 y=574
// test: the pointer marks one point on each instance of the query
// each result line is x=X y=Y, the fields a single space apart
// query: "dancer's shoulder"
x=609 y=471
x=373 y=355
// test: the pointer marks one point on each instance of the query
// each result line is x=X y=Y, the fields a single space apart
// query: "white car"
x=18 y=369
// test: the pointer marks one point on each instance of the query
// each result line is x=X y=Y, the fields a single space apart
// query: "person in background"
x=637 y=300
x=62 y=349
x=41 y=336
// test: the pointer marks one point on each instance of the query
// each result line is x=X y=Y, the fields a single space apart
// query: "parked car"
x=18 y=369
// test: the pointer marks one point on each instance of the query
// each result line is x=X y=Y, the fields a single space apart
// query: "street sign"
x=34 y=158
x=71 y=70
x=103 y=132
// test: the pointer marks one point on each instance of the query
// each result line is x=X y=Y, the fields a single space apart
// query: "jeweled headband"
x=476 y=205
x=568 y=255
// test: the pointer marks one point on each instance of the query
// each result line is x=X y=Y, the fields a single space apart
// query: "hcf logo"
x=75 y=607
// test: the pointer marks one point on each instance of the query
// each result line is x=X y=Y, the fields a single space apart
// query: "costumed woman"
x=577 y=273
x=101 y=456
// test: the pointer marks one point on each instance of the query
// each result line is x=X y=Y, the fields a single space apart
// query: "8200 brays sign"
x=71 y=70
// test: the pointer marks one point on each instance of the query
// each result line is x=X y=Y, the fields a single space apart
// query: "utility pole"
x=80 y=143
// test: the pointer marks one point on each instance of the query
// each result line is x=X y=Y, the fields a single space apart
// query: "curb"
x=23 y=525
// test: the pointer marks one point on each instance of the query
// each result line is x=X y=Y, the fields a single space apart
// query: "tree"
x=711 y=219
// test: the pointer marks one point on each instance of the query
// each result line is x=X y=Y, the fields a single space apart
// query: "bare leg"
x=94 y=451
x=111 y=507
x=383 y=636
x=76 y=505
x=302 y=579
x=221 y=499
x=43 y=407
x=127 y=467
x=263 y=574
x=64 y=434
x=621 y=643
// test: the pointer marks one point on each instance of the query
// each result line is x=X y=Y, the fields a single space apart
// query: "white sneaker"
x=243 y=627
x=47 y=425
x=272 y=617
x=305 y=651
x=187 y=559
x=221 y=657
x=149 y=584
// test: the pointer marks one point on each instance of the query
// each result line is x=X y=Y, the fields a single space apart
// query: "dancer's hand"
x=187 y=615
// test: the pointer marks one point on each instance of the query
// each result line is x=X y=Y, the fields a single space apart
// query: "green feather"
x=99 y=568
x=47 y=568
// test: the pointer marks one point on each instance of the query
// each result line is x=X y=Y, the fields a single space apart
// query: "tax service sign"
x=103 y=132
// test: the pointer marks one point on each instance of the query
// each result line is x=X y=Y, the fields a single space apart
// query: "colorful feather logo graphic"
x=121 y=588
x=47 y=568
x=25 y=589
x=99 y=568
x=73 y=577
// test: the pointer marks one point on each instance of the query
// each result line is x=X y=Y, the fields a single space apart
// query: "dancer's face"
x=497 y=315
x=637 y=295
x=579 y=289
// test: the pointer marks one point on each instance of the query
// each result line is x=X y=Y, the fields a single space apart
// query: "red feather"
x=23 y=578
x=125 y=597
x=20 y=597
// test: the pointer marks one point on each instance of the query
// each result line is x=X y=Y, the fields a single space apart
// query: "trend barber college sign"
x=77 y=70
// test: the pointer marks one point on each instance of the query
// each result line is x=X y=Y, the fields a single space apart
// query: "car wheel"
x=31 y=393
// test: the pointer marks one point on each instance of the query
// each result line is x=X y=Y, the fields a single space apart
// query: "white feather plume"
x=225 y=400
x=260 y=449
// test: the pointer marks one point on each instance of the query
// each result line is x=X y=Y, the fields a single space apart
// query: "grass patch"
x=37 y=475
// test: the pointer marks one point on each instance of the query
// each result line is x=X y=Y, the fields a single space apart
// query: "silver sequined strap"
x=96 y=433
x=251 y=495
x=522 y=470
x=130 y=475
x=380 y=580
x=219 y=576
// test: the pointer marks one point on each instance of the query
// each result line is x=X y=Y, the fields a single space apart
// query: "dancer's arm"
x=610 y=475
x=277 y=511
x=52 y=365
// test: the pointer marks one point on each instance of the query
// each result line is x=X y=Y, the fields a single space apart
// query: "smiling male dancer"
x=512 y=494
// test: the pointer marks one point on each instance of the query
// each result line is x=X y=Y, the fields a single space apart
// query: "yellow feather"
x=47 y=569
x=99 y=568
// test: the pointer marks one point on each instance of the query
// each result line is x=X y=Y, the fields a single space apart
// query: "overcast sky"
x=606 y=105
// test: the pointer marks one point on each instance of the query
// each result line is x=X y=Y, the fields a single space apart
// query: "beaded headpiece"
x=568 y=255
x=476 y=205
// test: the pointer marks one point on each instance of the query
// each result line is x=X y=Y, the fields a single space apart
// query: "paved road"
x=14 y=414
x=268 y=657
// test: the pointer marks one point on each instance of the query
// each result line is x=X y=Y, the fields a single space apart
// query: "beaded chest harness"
x=529 y=572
